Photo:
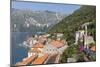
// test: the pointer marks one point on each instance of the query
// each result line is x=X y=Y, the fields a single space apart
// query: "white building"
x=34 y=51
x=59 y=34
x=70 y=60
x=54 y=47
x=50 y=49
x=88 y=40
x=31 y=53
x=79 y=35
x=31 y=41
x=83 y=33
x=61 y=50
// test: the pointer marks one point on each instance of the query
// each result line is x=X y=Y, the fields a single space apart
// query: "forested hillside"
x=71 y=23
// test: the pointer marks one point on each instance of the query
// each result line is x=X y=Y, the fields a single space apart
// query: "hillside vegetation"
x=72 y=23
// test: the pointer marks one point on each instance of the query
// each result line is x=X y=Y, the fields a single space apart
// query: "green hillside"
x=71 y=23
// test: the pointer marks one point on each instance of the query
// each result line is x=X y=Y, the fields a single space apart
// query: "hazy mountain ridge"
x=30 y=21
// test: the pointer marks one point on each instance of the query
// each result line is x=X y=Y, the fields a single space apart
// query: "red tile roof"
x=26 y=61
x=38 y=45
x=40 y=60
x=35 y=50
x=57 y=44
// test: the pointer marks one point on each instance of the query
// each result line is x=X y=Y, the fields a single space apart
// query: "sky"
x=36 y=6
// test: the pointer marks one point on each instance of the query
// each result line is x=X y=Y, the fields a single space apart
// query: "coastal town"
x=44 y=50
x=47 y=33
x=48 y=48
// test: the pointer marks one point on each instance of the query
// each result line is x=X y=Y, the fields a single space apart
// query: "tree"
x=70 y=52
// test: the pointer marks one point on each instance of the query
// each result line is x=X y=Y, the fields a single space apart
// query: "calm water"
x=18 y=52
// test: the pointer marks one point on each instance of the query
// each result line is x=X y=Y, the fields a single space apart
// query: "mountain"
x=71 y=23
x=33 y=21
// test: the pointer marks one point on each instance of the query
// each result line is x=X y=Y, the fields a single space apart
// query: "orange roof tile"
x=56 y=43
x=40 y=60
x=38 y=45
x=35 y=50
x=26 y=61
x=93 y=48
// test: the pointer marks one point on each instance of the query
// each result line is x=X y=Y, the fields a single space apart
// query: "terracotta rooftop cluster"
x=38 y=56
